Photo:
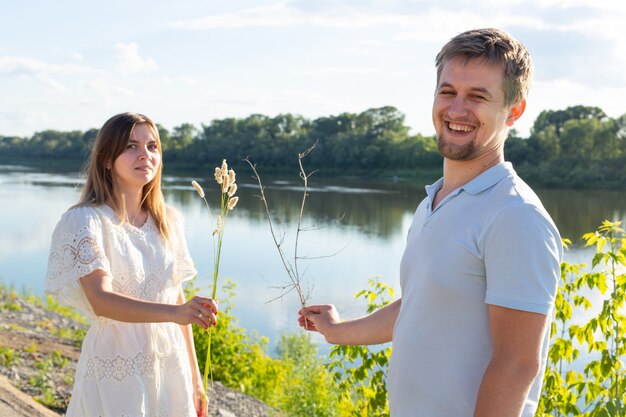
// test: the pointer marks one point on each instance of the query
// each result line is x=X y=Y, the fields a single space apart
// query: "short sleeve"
x=184 y=269
x=523 y=252
x=76 y=250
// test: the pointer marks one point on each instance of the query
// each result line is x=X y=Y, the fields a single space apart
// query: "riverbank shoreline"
x=39 y=350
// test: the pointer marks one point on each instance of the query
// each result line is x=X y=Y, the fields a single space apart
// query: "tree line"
x=579 y=146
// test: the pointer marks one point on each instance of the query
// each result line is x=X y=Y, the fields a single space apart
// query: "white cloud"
x=423 y=23
x=184 y=79
x=609 y=28
x=330 y=71
x=26 y=120
x=357 y=51
x=104 y=89
x=427 y=27
x=353 y=72
x=371 y=43
x=31 y=68
x=412 y=23
x=257 y=98
x=609 y=6
x=46 y=73
x=283 y=14
x=276 y=15
x=129 y=61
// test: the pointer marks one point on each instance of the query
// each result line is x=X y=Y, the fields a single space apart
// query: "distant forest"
x=579 y=147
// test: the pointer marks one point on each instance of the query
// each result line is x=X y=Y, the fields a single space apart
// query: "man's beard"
x=456 y=152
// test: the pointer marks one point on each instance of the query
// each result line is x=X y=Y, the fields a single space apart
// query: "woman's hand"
x=200 y=401
x=199 y=310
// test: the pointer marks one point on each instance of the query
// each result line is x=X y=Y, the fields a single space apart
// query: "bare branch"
x=306 y=258
x=293 y=270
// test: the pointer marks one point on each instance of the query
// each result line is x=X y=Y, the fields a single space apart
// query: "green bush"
x=360 y=371
x=296 y=382
x=308 y=390
x=600 y=390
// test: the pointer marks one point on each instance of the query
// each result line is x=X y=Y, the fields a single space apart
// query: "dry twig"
x=292 y=268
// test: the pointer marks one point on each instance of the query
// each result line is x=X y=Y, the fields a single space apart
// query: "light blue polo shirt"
x=488 y=242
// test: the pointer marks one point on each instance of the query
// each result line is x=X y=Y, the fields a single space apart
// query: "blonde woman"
x=120 y=256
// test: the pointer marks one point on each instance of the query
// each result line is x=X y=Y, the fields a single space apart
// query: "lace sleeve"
x=76 y=250
x=184 y=269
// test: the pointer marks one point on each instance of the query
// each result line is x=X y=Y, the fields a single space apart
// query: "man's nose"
x=458 y=108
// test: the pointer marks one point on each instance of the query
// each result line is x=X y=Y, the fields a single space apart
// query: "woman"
x=120 y=255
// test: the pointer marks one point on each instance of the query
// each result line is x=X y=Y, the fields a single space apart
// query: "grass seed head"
x=198 y=188
x=232 y=190
x=232 y=203
x=225 y=182
x=218 y=175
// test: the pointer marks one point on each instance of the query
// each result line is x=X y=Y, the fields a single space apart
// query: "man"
x=480 y=269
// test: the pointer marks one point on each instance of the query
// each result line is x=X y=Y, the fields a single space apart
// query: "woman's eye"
x=131 y=146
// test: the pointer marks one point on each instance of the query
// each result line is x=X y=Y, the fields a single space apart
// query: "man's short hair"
x=497 y=47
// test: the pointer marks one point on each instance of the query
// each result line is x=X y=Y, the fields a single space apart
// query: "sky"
x=70 y=65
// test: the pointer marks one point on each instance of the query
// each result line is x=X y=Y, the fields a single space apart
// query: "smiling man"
x=480 y=269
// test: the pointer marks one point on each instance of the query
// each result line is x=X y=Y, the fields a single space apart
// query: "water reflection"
x=580 y=212
x=372 y=209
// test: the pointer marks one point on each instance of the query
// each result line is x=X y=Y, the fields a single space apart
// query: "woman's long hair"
x=101 y=185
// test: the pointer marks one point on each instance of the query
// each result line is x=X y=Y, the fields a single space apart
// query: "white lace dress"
x=125 y=369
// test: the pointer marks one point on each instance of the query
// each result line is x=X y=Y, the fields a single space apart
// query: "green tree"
x=516 y=148
x=577 y=137
x=546 y=144
x=182 y=136
x=557 y=118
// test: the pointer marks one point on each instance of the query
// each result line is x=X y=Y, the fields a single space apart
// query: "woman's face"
x=138 y=164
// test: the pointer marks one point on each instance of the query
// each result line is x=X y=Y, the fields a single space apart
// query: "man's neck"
x=458 y=173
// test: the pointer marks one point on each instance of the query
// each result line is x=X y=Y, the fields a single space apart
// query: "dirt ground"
x=14 y=403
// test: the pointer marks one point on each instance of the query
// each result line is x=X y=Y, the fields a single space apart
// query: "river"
x=356 y=230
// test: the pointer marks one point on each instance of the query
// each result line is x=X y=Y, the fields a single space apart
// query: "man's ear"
x=516 y=112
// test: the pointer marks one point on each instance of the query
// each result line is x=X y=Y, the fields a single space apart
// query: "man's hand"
x=320 y=318
x=368 y=330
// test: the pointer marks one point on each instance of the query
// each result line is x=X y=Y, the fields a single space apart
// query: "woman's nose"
x=143 y=153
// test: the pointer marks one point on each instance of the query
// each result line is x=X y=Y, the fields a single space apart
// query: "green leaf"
x=572 y=377
x=602 y=283
x=597 y=258
x=606 y=364
x=361 y=293
x=590 y=238
x=581 y=300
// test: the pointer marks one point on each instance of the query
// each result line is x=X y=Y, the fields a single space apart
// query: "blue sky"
x=70 y=65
